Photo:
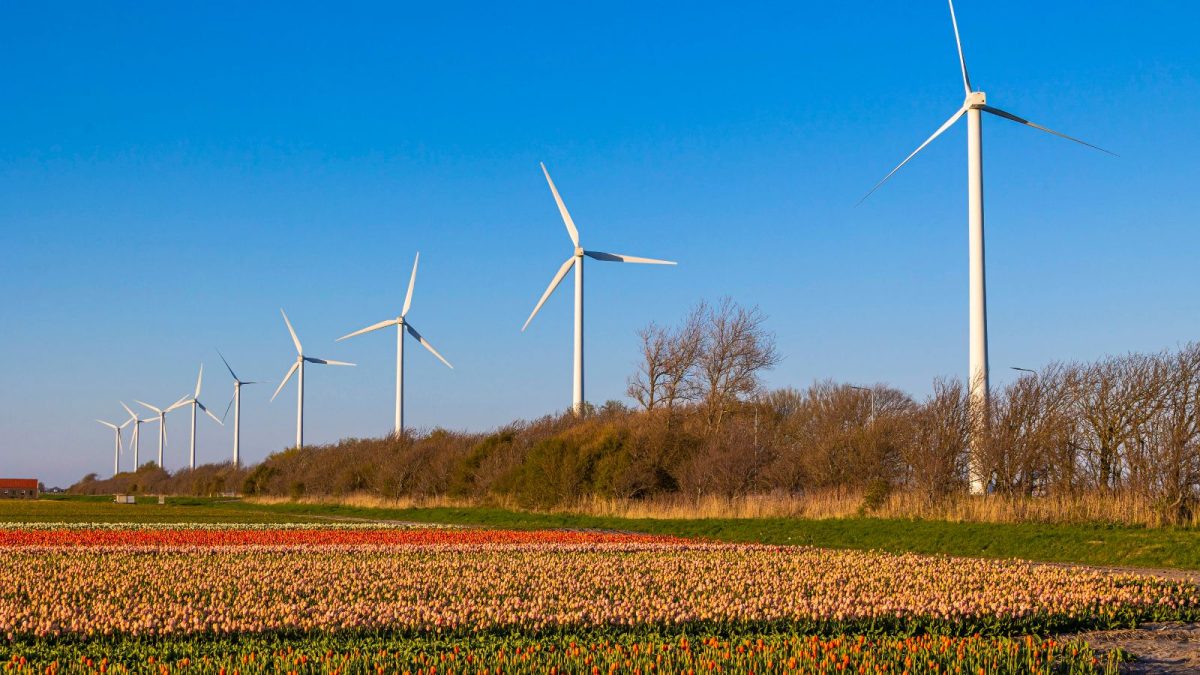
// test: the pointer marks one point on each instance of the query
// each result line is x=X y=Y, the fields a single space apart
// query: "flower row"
x=793 y=654
x=86 y=526
x=309 y=536
x=537 y=586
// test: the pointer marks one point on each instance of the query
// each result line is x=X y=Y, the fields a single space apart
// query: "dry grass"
x=832 y=504
x=1118 y=508
x=366 y=501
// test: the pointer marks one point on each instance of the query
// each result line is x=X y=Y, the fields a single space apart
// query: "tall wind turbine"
x=236 y=402
x=137 y=433
x=973 y=107
x=402 y=325
x=576 y=262
x=116 y=444
x=301 y=359
x=194 y=402
x=162 y=423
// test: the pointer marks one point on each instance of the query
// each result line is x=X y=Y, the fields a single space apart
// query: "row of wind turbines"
x=404 y=328
x=160 y=416
x=973 y=106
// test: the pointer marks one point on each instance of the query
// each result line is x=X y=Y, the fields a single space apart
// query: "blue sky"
x=172 y=174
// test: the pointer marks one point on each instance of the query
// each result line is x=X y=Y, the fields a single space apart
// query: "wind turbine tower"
x=298 y=365
x=194 y=402
x=973 y=107
x=402 y=325
x=161 y=417
x=575 y=261
x=116 y=443
x=236 y=402
x=137 y=434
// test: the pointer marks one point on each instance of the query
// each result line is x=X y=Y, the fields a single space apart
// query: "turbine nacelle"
x=975 y=100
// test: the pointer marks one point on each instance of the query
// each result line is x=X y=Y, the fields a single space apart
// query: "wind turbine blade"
x=179 y=404
x=142 y=403
x=618 y=257
x=961 y=60
x=227 y=366
x=562 y=272
x=941 y=129
x=287 y=377
x=1021 y=120
x=209 y=413
x=296 y=340
x=125 y=424
x=368 y=329
x=425 y=343
x=562 y=209
x=110 y=425
x=132 y=414
x=199 y=379
x=327 y=362
x=411 y=282
x=227 y=408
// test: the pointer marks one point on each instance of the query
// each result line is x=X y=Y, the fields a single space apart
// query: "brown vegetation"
x=1117 y=441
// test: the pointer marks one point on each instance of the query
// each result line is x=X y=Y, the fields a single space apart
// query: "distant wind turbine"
x=137 y=435
x=116 y=444
x=161 y=417
x=973 y=106
x=194 y=402
x=402 y=325
x=301 y=359
x=236 y=402
x=576 y=262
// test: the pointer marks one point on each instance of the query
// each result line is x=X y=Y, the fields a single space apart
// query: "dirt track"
x=1160 y=648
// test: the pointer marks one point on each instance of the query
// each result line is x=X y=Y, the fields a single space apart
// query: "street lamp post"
x=871 y=393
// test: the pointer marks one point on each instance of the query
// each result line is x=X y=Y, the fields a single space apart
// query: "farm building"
x=18 y=488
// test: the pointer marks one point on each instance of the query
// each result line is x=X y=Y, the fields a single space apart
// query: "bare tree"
x=1170 y=474
x=936 y=452
x=645 y=386
x=735 y=350
x=666 y=374
x=1028 y=431
x=1113 y=399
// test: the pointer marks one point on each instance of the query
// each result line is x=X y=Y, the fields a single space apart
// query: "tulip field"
x=371 y=599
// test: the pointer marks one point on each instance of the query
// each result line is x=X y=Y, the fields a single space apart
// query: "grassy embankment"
x=1087 y=544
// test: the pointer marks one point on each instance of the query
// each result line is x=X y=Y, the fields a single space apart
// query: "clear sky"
x=171 y=174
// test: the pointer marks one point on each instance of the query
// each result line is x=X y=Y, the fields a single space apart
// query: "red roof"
x=18 y=484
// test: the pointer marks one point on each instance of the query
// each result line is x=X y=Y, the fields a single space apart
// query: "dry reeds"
x=1093 y=508
x=1113 y=509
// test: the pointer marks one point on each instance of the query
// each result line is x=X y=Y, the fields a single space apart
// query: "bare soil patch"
x=1159 y=648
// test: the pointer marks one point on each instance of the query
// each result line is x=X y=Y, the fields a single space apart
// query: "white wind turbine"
x=576 y=261
x=402 y=325
x=194 y=402
x=116 y=444
x=973 y=106
x=161 y=418
x=299 y=365
x=236 y=402
x=137 y=433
